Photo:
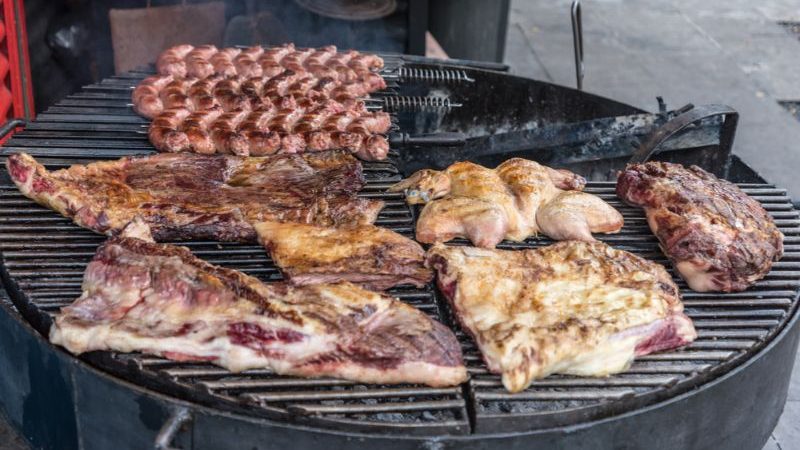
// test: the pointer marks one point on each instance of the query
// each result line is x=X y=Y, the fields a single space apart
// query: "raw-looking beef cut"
x=718 y=238
x=139 y=296
x=373 y=257
x=184 y=196
x=579 y=308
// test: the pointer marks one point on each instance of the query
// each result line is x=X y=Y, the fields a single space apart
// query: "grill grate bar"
x=535 y=395
x=347 y=395
x=616 y=381
x=376 y=408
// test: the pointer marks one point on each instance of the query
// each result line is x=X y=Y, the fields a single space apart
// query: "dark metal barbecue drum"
x=727 y=387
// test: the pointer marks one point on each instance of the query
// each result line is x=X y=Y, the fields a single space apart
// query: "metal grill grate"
x=45 y=255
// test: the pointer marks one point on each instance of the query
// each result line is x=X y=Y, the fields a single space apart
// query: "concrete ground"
x=688 y=51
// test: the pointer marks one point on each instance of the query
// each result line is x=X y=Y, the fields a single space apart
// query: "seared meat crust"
x=183 y=196
x=718 y=238
x=373 y=257
x=518 y=199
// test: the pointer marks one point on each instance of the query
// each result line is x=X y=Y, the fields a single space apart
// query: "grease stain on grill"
x=46 y=255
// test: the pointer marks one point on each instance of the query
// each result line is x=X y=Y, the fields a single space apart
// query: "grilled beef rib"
x=373 y=257
x=519 y=198
x=161 y=299
x=580 y=308
x=184 y=196
x=718 y=238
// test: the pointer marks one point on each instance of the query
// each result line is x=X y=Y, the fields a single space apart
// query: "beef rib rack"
x=186 y=196
x=161 y=299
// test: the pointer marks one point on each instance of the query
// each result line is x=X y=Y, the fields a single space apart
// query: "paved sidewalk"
x=729 y=52
x=688 y=51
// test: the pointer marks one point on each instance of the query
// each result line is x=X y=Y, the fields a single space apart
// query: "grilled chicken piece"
x=579 y=308
x=162 y=300
x=718 y=238
x=373 y=257
x=519 y=198
x=184 y=196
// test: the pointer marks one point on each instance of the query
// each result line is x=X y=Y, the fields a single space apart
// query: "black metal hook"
x=577 y=41
x=9 y=126
x=687 y=116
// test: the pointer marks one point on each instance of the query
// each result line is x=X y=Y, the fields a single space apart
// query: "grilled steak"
x=161 y=299
x=572 y=308
x=718 y=238
x=519 y=198
x=183 y=196
x=373 y=257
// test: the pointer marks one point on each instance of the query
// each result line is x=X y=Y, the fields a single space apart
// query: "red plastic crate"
x=16 y=94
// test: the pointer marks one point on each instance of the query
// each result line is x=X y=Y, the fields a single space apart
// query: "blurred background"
x=76 y=42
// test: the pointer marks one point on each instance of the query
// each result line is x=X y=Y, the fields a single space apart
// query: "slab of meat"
x=273 y=128
x=579 y=308
x=157 y=93
x=718 y=238
x=518 y=199
x=185 y=196
x=370 y=256
x=206 y=60
x=160 y=299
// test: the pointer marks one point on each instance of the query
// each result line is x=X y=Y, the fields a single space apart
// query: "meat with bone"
x=183 y=196
x=518 y=199
x=718 y=238
x=205 y=60
x=320 y=126
x=157 y=93
x=373 y=257
x=579 y=308
x=162 y=300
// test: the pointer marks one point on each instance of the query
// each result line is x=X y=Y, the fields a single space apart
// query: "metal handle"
x=9 y=126
x=456 y=63
x=726 y=132
x=446 y=139
x=170 y=429
x=577 y=41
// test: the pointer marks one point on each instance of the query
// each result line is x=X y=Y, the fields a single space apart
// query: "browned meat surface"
x=271 y=129
x=718 y=238
x=518 y=199
x=205 y=60
x=373 y=257
x=183 y=196
x=579 y=308
x=160 y=299
x=157 y=93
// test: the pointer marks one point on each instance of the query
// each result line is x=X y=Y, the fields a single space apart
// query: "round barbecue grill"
x=725 y=389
